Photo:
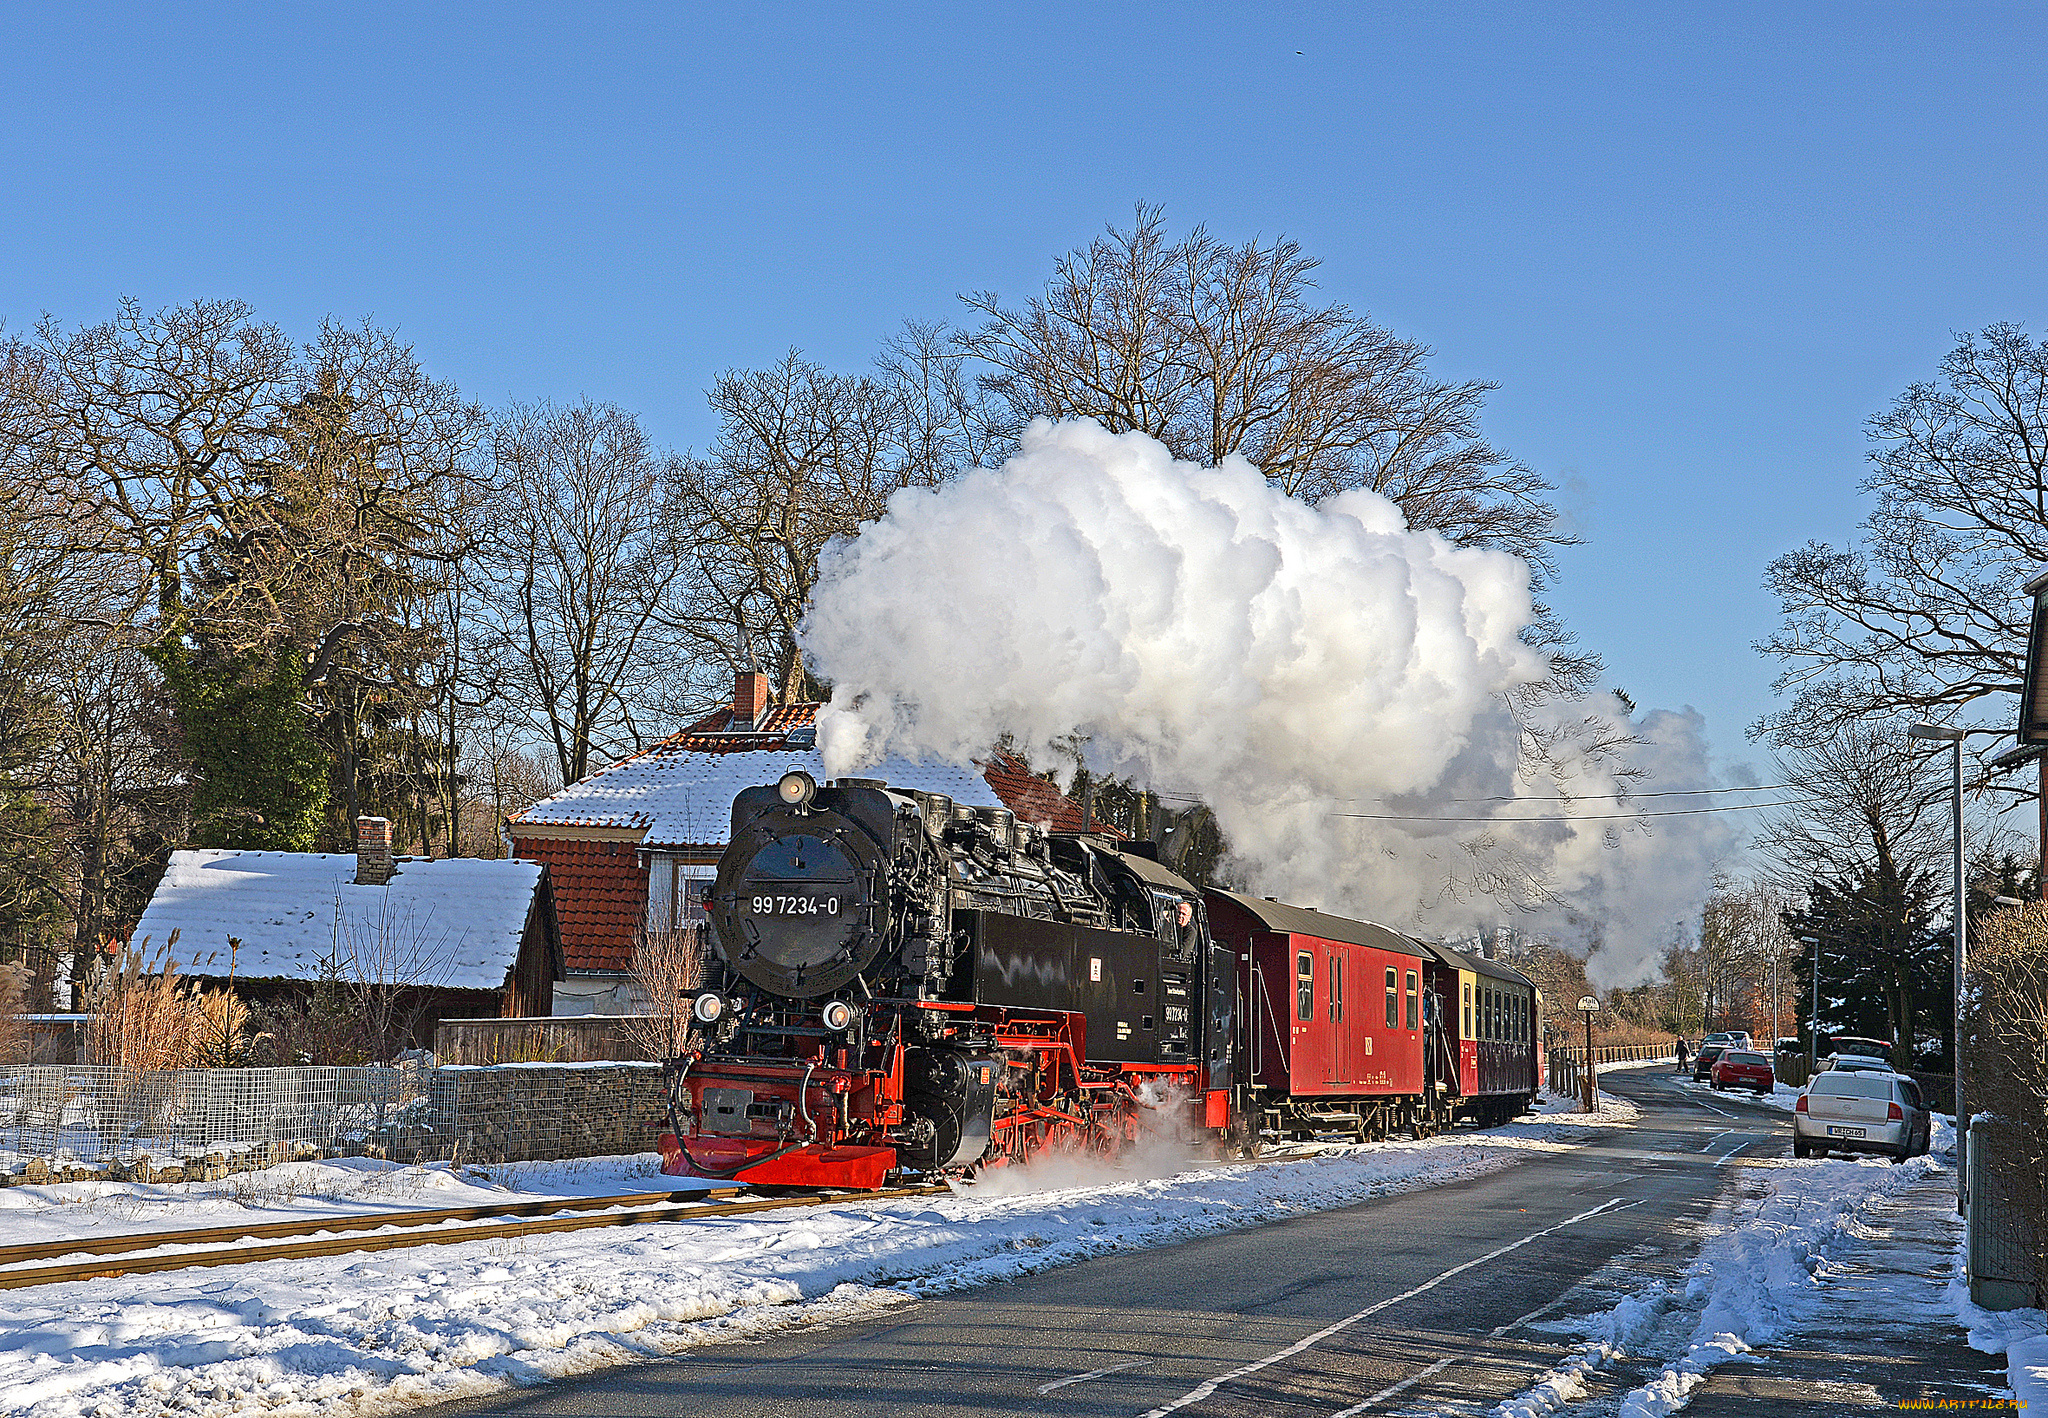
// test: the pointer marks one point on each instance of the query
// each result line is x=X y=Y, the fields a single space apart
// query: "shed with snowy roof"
x=633 y=847
x=452 y=937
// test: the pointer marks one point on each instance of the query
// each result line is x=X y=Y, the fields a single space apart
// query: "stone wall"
x=539 y=1112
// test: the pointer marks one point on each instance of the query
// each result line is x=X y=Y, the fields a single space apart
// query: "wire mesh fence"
x=56 y=1120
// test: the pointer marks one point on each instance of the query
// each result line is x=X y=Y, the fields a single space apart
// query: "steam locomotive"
x=907 y=984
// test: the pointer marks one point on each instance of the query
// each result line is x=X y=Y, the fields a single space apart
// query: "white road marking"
x=1708 y=1106
x=1044 y=1389
x=1203 y=1390
x=1396 y=1390
x=1716 y=1138
x=1722 y=1160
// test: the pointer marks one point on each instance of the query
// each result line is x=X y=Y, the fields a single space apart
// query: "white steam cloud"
x=1287 y=664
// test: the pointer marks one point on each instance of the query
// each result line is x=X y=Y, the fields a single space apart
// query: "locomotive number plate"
x=794 y=905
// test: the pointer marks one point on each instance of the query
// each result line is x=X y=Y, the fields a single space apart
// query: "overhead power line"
x=1588 y=797
x=1581 y=817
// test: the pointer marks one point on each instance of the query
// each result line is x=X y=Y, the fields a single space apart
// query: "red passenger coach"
x=1335 y=1023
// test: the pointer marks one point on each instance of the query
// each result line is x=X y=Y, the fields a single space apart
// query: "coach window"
x=1336 y=989
x=1414 y=1004
x=1468 y=1009
x=1393 y=1000
x=1305 y=986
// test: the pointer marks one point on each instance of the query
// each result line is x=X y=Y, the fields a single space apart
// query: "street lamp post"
x=1590 y=1006
x=1941 y=733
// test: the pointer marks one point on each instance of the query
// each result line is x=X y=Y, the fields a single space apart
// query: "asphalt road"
x=1417 y=1302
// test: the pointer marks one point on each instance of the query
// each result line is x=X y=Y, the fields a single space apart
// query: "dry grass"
x=1628 y=1035
x=14 y=1035
x=142 y=1016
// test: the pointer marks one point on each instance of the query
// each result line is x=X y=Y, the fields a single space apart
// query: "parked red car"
x=1739 y=1068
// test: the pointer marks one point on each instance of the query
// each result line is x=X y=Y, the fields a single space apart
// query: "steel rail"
x=361 y=1221
x=139 y=1264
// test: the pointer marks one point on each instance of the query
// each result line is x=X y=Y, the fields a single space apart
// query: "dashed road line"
x=1044 y=1389
x=1397 y=1389
x=1203 y=1390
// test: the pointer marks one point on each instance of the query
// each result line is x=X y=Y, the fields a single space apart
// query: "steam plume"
x=1208 y=634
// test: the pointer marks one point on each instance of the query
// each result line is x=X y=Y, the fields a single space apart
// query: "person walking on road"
x=1681 y=1053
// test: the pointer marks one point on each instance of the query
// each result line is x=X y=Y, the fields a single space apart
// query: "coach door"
x=1341 y=1069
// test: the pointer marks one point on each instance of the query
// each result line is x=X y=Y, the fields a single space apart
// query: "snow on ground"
x=372 y=1333
x=1755 y=1279
x=2020 y=1335
x=336 y=1189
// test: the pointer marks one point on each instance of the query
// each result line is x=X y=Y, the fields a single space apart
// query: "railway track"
x=396 y=1230
x=122 y=1255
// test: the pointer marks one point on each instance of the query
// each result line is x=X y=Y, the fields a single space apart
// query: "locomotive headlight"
x=837 y=1014
x=797 y=788
x=709 y=1008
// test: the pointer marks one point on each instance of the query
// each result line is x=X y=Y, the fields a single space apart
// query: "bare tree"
x=1922 y=616
x=587 y=566
x=160 y=422
x=667 y=968
x=1738 y=969
x=496 y=781
x=1866 y=801
x=1859 y=850
x=1216 y=350
x=803 y=457
x=386 y=962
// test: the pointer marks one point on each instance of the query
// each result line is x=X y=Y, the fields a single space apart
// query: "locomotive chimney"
x=749 y=700
x=373 y=851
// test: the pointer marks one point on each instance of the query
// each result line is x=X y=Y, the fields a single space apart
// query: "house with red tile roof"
x=634 y=846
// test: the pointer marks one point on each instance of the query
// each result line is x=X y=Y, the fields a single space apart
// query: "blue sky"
x=1696 y=250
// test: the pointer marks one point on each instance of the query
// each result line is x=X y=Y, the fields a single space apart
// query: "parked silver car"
x=1854 y=1111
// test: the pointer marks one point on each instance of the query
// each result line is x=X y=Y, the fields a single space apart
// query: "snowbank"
x=2020 y=1335
x=365 y=1334
x=1755 y=1280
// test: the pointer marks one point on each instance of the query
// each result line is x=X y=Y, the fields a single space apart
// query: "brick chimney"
x=749 y=700
x=373 y=851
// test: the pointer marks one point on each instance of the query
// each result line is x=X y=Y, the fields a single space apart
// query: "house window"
x=1414 y=1004
x=678 y=892
x=1393 y=1000
x=1305 y=986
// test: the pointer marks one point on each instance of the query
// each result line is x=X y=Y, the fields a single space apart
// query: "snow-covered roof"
x=683 y=797
x=455 y=923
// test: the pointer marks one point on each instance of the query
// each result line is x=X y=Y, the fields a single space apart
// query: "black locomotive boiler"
x=906 y=982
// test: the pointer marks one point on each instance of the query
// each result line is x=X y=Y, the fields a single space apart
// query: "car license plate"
x=1834 y=1131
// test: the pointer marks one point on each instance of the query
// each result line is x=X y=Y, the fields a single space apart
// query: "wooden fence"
x=1567 y=1063
x=576 y=1038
